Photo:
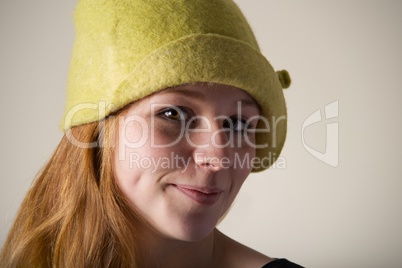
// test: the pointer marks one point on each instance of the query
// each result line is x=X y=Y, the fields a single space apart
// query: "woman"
x=170 y=107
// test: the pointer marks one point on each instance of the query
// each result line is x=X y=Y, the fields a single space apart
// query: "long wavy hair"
x=75 y=215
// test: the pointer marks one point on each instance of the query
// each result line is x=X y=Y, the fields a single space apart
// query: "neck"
x=160 y=251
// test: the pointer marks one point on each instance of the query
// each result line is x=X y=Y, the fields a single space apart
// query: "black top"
x=281 y=263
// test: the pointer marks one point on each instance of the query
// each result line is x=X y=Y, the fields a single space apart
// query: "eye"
x=175 y=113
x=237 y=124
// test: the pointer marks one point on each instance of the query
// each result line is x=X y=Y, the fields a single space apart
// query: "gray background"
x=309 y=212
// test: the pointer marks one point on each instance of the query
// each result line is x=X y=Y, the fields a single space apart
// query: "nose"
x=212 y=148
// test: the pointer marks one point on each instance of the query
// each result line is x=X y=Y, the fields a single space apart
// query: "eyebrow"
x=198 y=95
x=193 y=94
x=249 y=103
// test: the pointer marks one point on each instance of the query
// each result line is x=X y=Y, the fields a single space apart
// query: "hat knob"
x=284 y=78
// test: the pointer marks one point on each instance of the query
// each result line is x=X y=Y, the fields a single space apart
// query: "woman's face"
x=183 y=155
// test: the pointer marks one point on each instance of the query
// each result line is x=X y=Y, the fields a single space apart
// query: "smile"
x=201 y=195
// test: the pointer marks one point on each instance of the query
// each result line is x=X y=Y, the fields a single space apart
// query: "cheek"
x=126 y=176
x=139 y=164
x=241 y=169
x=239 y=177
x=244 y=158
x=131 y=144
x=166 y=134
x=152 y=134
x=137 y=184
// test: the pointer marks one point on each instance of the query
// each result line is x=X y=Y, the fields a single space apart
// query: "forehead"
x=209 y=92
x=210 y=95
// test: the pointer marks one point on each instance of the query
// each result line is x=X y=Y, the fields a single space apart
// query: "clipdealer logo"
x=331 y=154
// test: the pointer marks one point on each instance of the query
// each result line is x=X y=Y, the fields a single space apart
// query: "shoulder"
x=230 y=253
x=281 y=263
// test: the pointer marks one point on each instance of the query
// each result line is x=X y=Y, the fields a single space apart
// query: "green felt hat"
x=128 y=49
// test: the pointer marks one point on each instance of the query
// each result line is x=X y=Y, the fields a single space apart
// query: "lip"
x=201 y=195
